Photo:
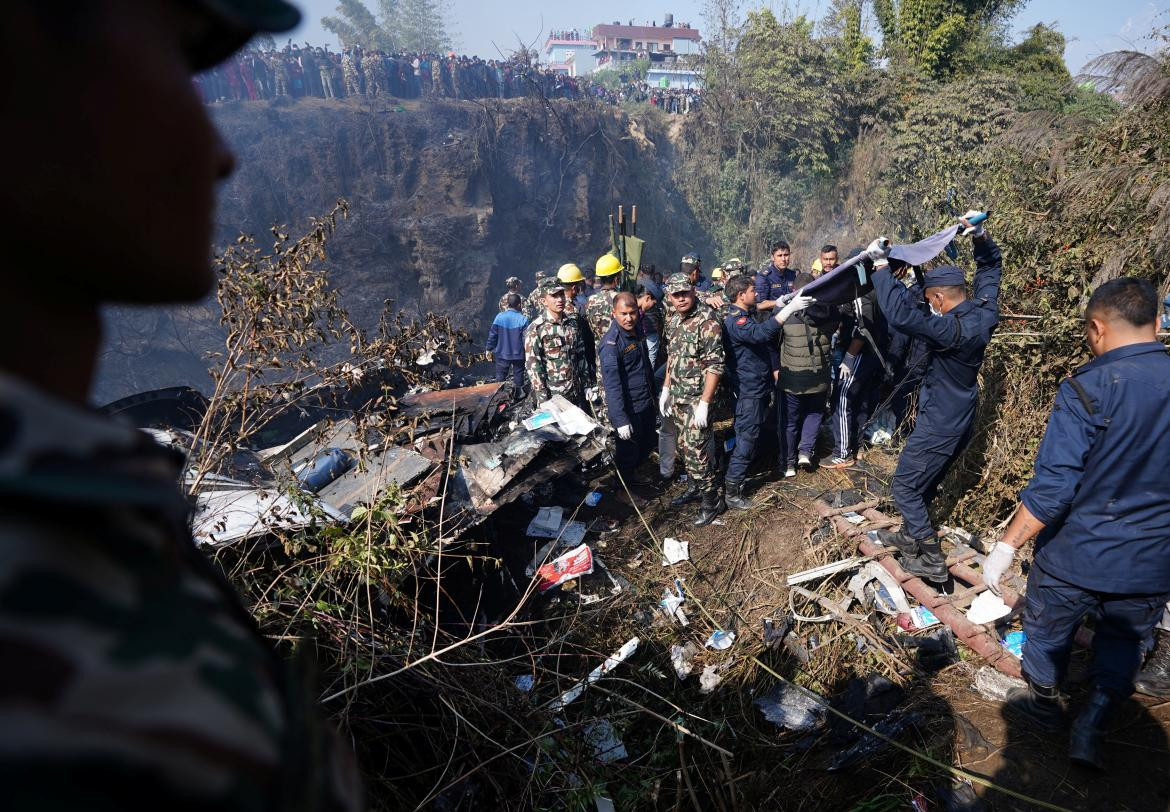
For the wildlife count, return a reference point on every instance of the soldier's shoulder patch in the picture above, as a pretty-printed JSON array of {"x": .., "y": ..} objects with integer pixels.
[{"x": 741, "y": 321}]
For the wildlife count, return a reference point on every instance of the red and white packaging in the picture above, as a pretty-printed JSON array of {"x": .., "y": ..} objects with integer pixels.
[{"x": 573, "y": 564}]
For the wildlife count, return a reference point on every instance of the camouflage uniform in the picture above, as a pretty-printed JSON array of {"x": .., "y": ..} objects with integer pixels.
[
  {"x": 131, "y": 671},
  {"x": 533, "y": 306},
  {"x": 599, "y": 315},
  {"x": 694, "y": 348},
  {"x": 280, "y": 74},
  {"x": 554, "y": 356},
  {"x": 351, "y": 73},
  {"x": 375, "y": 70}
]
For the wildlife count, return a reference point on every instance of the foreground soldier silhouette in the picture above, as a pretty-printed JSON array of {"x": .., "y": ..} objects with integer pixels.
[{"x": 132, "y": 676}]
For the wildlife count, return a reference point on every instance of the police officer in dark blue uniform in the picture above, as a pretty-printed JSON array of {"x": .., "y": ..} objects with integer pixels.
[
  {"x": 750, "y": 353},
  {"x": 1100, "y": 505},
  {"x": 956, "y": 332},
  {"x": 629, "y": 386}
]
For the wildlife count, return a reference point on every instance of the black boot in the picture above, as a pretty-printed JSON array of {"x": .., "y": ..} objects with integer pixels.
[
  {"x": 1084, "y": 740},
  {"x": 691, "y": 494},
  {"x": 930, "y": 563},
  {"x": 735, "y": 497},
  {"x": 899, "y": 541},
  {"x": 1154, "y": 678},
  {"x": 713, "y": 505},
  {"x": 1039, "y": 705}
]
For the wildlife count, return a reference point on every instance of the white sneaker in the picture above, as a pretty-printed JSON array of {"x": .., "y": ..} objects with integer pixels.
[
  {"x": 790, "y": 471},
  {"x": 804, "y": 462}
]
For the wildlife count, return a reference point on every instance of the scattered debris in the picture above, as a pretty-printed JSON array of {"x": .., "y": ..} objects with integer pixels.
[
  {"x": 870, "y": 744},
  {"x": 720, "y": 640},
  {"x": 671, "y": 604},
  {"x": 792, "y": 708},
  {"x": 935, "y": 650},
  {"x": 547, "y": 523},
  {"x": 681, "y": 658},
  {"x": 1015, "y": 642},
  {"x": 674, "y": 551},
  {"x": 225, "y": 516},
  {"x": 709, "y": 680},
  {"x": 782, "y": 632},
  {"x": 607, "y": 746},
  {"x": 824, "y": 571},
  {"x": 611, "y": 662},
  {"x": 994, "y": 684},
  {"x": 987, "y": 608},
  {"x": 593, "y": 498},
  {"x": 524, "y": 682},
  {"x": 571, "y": 565}
]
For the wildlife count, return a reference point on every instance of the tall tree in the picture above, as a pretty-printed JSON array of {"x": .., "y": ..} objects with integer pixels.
[
  {"x": 930, "y": 34},
  {"x": 355, "y": 24},
  {"x": 421, "y": 26}
]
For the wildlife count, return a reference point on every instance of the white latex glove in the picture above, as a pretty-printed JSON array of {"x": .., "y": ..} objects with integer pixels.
[
  {"x": 879, "y": 249},
  {"x": 701, "y": 414},
  {"x": 786, "y": 298},
  {"x": 664, "y": 402},
  {"x": 591, "y": 394},
  {"x": 625, "y": 432},
  {"x": 996, "y": 564},
  {"x": 972, "y": 231},
  {"x": 797, "y": 304}
]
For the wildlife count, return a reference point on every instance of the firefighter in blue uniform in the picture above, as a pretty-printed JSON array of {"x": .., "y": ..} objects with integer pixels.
[
  {"x": 629, "y": 386},
  {"x": 956, "y": 332},
  {"x": 1099, "y": 505},
  {"x": 751, "y": 358}
]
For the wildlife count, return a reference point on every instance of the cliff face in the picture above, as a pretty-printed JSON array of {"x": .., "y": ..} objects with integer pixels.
[{"x": 447, "y": 201}]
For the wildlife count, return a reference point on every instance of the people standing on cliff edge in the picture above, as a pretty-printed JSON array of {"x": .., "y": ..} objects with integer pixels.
[{"x": 133, "y": 678}]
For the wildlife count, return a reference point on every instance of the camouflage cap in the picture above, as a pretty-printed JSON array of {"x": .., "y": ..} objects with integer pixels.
[
  {"x": 691, "y": 259},
  {"x": 512, "y": 280},
  {"x": 678, "y": 282},
  {"x": 234, "y": 22},
  {"x": 549, "y": 284}
]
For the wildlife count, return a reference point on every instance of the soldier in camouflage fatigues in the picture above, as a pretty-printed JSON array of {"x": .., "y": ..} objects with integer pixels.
[
  {"x": 513, "y": 283},
  {"x": 133, "y": 677},
  {"x": 553, "y": 353},
  {"x": 694, "y": 364},
  {"x": 534, "y": 303},
  {"x": 280, "y": 74},
  {"x": 375, "y": 70},
  {"x": 351, "y": 71}
]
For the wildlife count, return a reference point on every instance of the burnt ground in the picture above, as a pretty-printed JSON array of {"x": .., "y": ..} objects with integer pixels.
[{"x": 736, "y": 575}]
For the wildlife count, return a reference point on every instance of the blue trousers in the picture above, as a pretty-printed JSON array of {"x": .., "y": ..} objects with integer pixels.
[
  {"x": 853, "y": 401},
  {"x": 515, "y": 369},
  {"x": 803, "y": 415},
  {"x": 750, "y": 415},
  {"x": 921, "y": 468},
  {"x": 1054, "y": 611},
  {"x": 629, "y": 454}
]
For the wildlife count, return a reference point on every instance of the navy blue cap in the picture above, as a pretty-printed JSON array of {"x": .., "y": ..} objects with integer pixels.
[{"x": 945, "y": 275}]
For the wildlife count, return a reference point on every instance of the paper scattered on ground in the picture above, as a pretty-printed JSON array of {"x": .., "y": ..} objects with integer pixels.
[
  {"x": 681, "y": 657},
  {"x": 547, "y": 523},
  {"x": 611, "y": 662},
  {"x": 672, "y": 602},
  {"x": 607, "y": 746},
  {"x": 674, "y": 551},
  {"x": 709, "y": 679},
  {"x": 720, "y": 640},
  {"x": 987, "y": 607},
  {"x": 573, "y": 564}
]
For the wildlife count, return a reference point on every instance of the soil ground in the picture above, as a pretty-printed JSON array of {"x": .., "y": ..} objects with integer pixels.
[{"x": 736, "y": 574}]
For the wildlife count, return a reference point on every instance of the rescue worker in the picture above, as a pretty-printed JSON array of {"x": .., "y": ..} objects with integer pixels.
[
  {"x": 776, "y": 279},
  {"x": 827, "y": 260},
  {"x": 534, "y": 304},
  {"x": 506, "y": 342},
  {"x": 806, "y": 358},
  {"x": 599, "y": 310},
  {"x": 553, "y": 352},
  {"x": 1097, "y": 506},
  {"x": 134, "y": 677},
  {"x": 571, "y": 278},
  {"x": 513, "y": 284},
  {"x": 862, "y": 336},
  {"x": 629, "y": 386},
  {"x": 749, "y": 347},
  {"x": 692, "y": 266},
  {"x": 694, "y": 365},
  {"x": 716, "y": 288},
  {"x": 1154, "y": 678},
  {"x": 957, "y": 338}
]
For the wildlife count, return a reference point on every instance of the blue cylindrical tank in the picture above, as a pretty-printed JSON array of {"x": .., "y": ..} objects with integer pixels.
[{"x": 332, "y": 463}]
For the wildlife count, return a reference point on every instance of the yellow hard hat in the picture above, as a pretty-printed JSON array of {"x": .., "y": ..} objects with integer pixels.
[
  {"x": 717, "y": 273},
  {"x": 569, "y": 273},
  {"x": 607, "y": 265},
  {"x": 816, "y": 266}
]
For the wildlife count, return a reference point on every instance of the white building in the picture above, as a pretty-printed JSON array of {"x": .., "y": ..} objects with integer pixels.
[{"x": 573, "y": 57}]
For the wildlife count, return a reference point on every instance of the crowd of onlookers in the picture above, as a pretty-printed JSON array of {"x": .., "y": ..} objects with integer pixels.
[{"x": 318, "y": 72}]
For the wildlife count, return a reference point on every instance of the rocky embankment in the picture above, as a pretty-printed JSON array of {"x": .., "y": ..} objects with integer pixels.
[{"x": 447, "y": 200}]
